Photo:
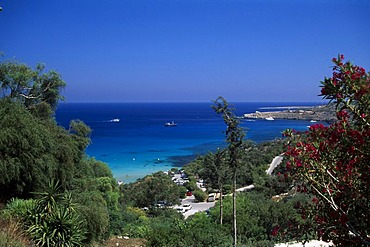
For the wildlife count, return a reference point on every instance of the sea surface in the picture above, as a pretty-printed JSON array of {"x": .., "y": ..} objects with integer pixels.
[{"x": 132, "y": 139}]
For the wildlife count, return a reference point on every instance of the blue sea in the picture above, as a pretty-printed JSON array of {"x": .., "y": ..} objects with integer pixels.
[{"x": 139, "y": 143}]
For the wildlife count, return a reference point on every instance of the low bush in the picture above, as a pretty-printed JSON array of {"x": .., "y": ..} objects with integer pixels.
[
  {"x": 199, "y": 195},
  {"x": 50, "y": 220}
]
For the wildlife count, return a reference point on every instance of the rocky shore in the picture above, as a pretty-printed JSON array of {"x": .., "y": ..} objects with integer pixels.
[{"x": 314, "y": 113}]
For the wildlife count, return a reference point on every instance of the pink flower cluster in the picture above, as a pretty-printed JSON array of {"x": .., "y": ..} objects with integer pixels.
[
  {"x": 347, "y": 81},
  {"x": 331, "y": 163}
]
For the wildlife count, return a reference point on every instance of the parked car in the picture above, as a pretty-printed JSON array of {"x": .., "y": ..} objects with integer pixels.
[
  {"x": 187, "y": 207},
  {"x": 189, "y": 193},
  {"x": 161, "y": 204},
  {"x": 211, "y": 197},
  {"x": 180, "y": 209}
]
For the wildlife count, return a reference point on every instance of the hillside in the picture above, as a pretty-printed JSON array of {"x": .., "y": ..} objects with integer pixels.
[{"x": 316, "y": 113}]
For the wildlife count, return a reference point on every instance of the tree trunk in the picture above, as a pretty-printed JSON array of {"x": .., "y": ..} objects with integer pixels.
[
  {"x": 234, "y": 206},
  {"x": 221, "y": 206}
]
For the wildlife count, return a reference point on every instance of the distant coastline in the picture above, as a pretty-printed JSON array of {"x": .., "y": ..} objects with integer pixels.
[
  {"x": 310, "y": 113},
  {"x": 131, "y": 138}
]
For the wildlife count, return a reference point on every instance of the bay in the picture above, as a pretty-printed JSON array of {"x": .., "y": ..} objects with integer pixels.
[{"x": 132, "y": 139}]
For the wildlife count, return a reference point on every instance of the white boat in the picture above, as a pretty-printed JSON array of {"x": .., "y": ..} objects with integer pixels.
[
  {"x": 270, "y": 118},
  {"x": 115, "y": 120},
  {"x": 170, "y": 124},
  {"x": 313, "y": 121}
]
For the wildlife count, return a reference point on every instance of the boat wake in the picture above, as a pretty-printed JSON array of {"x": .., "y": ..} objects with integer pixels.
[{"x": 114, "y": 120}]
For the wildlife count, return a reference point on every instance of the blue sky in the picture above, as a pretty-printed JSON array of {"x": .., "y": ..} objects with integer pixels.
[{"x": 187, "y": 50}]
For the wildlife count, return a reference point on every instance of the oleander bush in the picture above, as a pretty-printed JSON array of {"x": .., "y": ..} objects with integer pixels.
[{"x": 331, "y": 163}]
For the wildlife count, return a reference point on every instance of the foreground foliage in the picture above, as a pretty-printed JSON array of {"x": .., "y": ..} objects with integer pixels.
[
  {"x": 68, "y": 199},
  {"x": 51, "y": 219},
  {"x": 332, "y": 163},
  {"x": 34, "y": 150}
]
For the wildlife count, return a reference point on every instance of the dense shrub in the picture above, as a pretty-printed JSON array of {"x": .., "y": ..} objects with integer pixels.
[
  {"x": 198, "y": 231},
  {"x": 148, "y": 191},
  {"x": 258, "y": 216},
  {"x": 200, "y": 195}
]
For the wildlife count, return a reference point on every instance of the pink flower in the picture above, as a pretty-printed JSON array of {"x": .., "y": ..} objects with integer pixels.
[
  {"x": 298, "y": 163},
  {"x": 315, "y": 200},
  {"x": 275, "y": 230},
  {"x": 342, "y": 114},
  {"x": 288, "y": 165}
]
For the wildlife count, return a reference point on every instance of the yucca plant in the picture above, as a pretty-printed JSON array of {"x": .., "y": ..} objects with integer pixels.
[
  {"x": 54, "y": 222},
  {"x": 50, "y": 219},
  {"x": 50, "y": 198},
  {"x": 59, "y": 228}
]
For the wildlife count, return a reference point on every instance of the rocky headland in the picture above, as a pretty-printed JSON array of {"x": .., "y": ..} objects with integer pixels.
[{"x": 315, "y": 113}]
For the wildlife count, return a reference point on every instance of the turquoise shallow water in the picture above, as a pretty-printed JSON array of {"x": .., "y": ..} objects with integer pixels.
[{"x": 140, "y": 144}]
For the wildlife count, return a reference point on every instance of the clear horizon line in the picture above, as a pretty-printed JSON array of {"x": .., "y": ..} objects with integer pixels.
[{"x": 185, "y": 102}]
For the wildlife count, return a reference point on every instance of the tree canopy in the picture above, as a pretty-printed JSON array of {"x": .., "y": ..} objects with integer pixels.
[
  {"x": 35, "y": 150},
  {"x": 32, "y": 87},
  {"x": 148, "y": 191}
]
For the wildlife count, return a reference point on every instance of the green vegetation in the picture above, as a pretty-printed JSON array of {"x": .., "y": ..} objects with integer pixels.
[
  {"x": 235, "y": 139},
  {"x": 199, "y": 195},
  {"x": 68, "y": 198},
  {"x": 52, "y": 194},
  {"x": 197, "y": 231},
  {"x": 258, "y": 216},
  {"x": 50, "y": 220},
  {"x": 74, "y": 210},
  {"x": 152, "y": 190}
]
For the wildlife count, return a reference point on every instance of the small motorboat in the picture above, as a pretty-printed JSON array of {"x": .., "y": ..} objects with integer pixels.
[{"x": 170, "y": 124}]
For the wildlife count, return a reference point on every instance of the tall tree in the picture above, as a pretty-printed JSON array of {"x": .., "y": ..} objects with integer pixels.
[
  {"x": 234, "y": 137},
  {"x": 33, "y": 148},
  {"x": 216, "y": 173},
  {"x": 37, "y": 90}
]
